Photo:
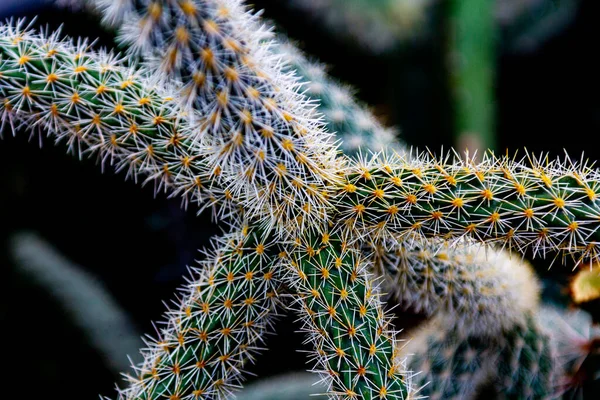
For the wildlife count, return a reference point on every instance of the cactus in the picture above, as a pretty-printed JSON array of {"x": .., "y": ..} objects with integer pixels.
[
  {"x": 477, "y": 290},
  {"x": 457, "y": 365},
  {"x": 243, "y": 139},
  {"x": 28, "y": 56}
]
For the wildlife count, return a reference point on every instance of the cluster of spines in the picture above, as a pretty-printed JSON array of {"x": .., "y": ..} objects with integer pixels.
[
  {"x": 256, "y": 126},
  {"x": 354, "y": 344},
  {"x": 546, "y": 206},
  {"x": 25, "y": 110},
  {"x": 217, "y": 326},
  {"x": 69, "y": 122}
]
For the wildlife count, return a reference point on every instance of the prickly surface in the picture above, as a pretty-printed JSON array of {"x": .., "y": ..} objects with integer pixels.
[
  {"x": 354, "y": 345},
  {"x": 258, "y": 130},
  {"x": 216, "y": 327},
  {"x": 87, "y": 100},
  {"x": 526, "y": 364},
  {"x": 476, "y": 289},
  {"x": 199, "y": 352},
  {"x": 549, "y": 207}
]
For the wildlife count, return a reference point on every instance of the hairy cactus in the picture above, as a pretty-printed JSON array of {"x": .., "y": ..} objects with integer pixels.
[
  {"x": 476, "y": 290},
  {"x": 82, "y": 116},
  {"x": 232, "y": 130},
  {"x": 548, "y": 207}
]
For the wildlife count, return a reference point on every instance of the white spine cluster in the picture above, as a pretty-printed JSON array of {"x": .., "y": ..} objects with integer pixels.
[{"x": 260, "y": 134}]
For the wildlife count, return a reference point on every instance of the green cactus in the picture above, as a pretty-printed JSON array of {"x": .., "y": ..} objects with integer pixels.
[
  {"x": 24, "y": 56},
  {"x": 548, "y": 207},
  {"x": 233, "y": 132}
]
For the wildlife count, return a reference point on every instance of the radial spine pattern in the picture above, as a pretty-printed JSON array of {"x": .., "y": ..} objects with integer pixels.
[
  {"x": 259, "y": 131},
  {"x": 343, "y": 316}
]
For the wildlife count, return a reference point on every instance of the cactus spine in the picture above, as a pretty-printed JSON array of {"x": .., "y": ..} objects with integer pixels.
[
  {"x": 161, "y": 373},
  {"x": 222, "y": 157}
]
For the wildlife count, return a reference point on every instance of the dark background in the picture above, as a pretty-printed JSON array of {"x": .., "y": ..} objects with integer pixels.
[{"x": 547, "y": 99}]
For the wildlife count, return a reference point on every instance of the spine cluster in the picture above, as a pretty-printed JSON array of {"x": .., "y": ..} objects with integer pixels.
[
  {"x": 168, "y": 369},
  {"x": 96, "y": 106},
  {"x": 475, "y": 289},
  {"x": 353, "y": 347},
  {"x": 258, "y": 131},
  {"x": 234, "y": 131}
]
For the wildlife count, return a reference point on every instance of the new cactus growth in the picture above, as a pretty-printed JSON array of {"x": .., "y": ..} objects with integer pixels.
[{"x": 224, "y": 125}]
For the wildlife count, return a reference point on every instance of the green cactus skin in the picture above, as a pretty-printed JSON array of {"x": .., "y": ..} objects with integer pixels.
[
  {"x": 518, "y": 363},
  {"x": 216, "y": 328},
  {"x": 18, "y": 109},
  {"x": 343, "y": 316},
  {"x": 31, "y": 67},
  {"x": 527, "y": 363},
  {"x": 548, "y": 208}
]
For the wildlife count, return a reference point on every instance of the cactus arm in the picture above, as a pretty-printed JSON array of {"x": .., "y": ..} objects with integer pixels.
[
  {"x": 472, "y": 70},
  {"x": 258, "y": 130},
  {"x": 451, "y": 364},
  {"x": 549, "y": 208},
  {"x": 479, "y": 290},
  {"x": 48, "y": 84},
  {"x": 95, "y": 106},
  {"x": 354, "y": 345},
  {"x": 217, "y": 326}
]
